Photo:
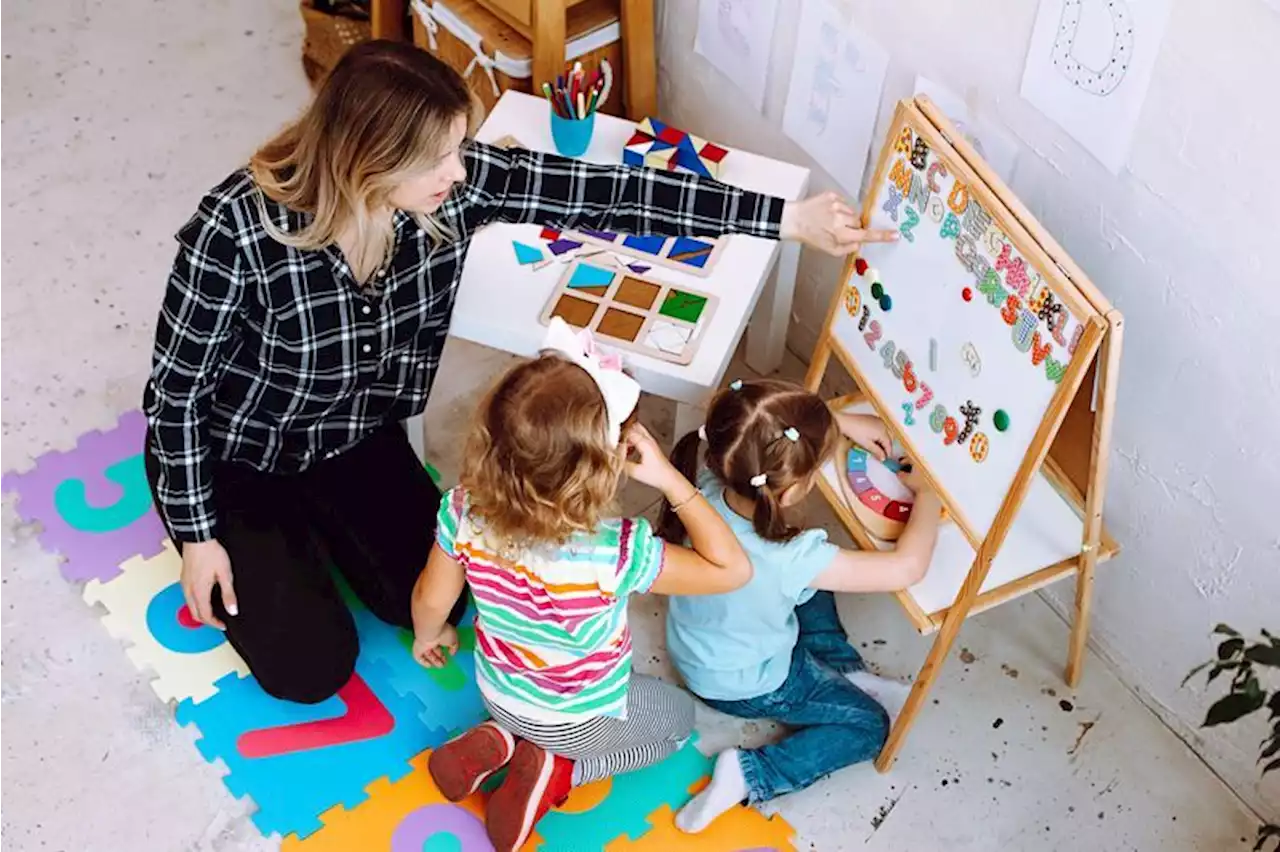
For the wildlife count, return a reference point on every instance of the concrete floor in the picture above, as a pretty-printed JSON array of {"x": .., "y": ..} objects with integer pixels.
[{"x": 116, "y": 117}]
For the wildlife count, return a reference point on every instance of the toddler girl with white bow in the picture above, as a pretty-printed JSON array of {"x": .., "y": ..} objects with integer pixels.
[{"x": 529, "y": 529}]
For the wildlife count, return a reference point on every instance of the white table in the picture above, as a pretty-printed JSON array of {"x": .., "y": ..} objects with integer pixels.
[{"x": 499, "y": 301}]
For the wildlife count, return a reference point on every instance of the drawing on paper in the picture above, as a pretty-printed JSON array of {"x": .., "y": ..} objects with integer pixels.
[{"x": 1096, "y": 81}]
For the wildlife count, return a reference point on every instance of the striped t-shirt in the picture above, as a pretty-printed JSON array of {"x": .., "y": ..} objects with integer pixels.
[{"x": 552, "y": 641}]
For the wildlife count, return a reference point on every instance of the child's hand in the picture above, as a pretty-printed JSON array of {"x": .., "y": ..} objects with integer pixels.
[
  {"x": 653, "y": 468},
  {"x": 430, "y": 652},
  {"x": 868, "y": 432},
  {"x": 915, "y": 480}
]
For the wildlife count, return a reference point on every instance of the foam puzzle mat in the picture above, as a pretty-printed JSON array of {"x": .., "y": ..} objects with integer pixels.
[{"x": 350, "y": 772}]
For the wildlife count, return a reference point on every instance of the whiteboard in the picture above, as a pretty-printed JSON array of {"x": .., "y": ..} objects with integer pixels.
[{"x": 953, "y": 322}]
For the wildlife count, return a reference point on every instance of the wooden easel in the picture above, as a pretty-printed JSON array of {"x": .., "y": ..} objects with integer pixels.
[{"x": 1070, "y": 446}]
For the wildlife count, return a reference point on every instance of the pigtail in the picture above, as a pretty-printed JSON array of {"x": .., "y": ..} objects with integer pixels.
[
  {"x": 769, "y": 519},
  {"x": 684, "y": 458}
]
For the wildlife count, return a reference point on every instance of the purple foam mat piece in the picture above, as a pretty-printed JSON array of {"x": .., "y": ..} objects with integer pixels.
[{"x": 117, "y": 519}]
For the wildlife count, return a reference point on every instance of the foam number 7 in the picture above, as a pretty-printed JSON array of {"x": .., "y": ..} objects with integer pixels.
[
  {"x": 926, "y": 396},
  {"x": 872, "y": 335}
]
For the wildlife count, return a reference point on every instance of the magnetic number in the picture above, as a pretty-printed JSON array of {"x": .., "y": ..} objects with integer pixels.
[
  {"x": 950, "y": 428},
  {"x": 887, "y": 352},
  {"x": 872, "y": 334},
  {"x": 909, "y": 380},
  {"x": 903, "y": 145},
  {"x": 906, "y": 414},
  {"x": 913, "y": 219},
  {"x": 920, "y": 154},
  {"x": 1058, "y": 324},
  {"x": 937, "y": 417},
  {"x": 866, "y": 315},
  {"x": 1009, "y": 313},
  {"x": 978, "y": 447},
  {"x": 852, "y": 301},
  {"x": 926, "y": 396},
  {"x": 1039, "y": 351},
  {"x": 970, "y": 412}
]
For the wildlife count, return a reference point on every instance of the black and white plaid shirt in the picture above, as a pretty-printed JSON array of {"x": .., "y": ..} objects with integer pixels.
[{"x": 274, "y": 357}]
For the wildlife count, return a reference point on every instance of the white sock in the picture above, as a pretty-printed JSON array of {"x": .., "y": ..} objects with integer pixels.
[
  {"x": 890, "y": 694},
  {"x": 728, "y": 787}
]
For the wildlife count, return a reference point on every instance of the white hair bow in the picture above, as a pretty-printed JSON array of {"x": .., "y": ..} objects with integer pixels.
[{"x": 621, "y": 392}]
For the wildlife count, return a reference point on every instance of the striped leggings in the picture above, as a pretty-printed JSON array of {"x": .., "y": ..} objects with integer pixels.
[{"x": 659, "y": 720}]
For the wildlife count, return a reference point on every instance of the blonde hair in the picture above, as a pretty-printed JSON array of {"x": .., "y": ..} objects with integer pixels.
[
  {"x": 748, "y": 433},
  {"x": 538, "y": 464},
  {"x": 383, "y": 112}
]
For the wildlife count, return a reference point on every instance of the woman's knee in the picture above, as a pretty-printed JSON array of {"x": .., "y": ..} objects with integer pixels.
[{"x": 309, "y": 672}]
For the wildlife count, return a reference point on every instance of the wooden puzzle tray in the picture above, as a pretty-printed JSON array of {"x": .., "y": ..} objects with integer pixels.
[{"x": 632, "y": 312}]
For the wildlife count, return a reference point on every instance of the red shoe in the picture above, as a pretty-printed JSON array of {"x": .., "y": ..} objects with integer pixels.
[
  {"x": 536, "y": 780},
  {"x": 461, "y": 765}
]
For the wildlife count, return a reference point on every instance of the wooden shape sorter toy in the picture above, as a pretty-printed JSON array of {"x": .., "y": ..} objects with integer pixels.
[
  {"x": 694, "y": 255},
  {"x": 993, "y": 360},
  {"x": 874, "y": 493},
  {"x": 632, "y": 312}
]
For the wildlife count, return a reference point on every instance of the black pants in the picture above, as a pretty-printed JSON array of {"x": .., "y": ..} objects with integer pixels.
[{"x": 370, "y": 511}]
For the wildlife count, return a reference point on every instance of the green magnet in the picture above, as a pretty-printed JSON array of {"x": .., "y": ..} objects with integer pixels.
[
  {"x": 1001, "y": 419},
  {"x": 876, "y": 290}
]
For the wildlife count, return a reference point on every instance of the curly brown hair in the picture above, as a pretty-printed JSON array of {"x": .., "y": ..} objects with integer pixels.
[
  {"x": 538, "y": 465},
  {"x": 746, "y": 436}
]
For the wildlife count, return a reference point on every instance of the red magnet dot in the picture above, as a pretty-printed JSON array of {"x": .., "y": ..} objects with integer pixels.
[
  {"x": 860, "y": 266},
  {"x": 186, "y": 619},
  {"x": 967, "y": 294}
]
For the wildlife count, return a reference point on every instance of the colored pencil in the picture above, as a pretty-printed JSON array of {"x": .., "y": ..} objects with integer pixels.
[{"x": 578, "y": 93}]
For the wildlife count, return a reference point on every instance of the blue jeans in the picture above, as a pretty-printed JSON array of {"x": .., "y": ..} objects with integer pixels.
[{"x": 839, "y": 724}]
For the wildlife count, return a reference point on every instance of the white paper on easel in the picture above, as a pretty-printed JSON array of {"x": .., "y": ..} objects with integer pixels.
[
  {"x": 736, "y": 36},
  {"x": 834, "y": 95},
  {"x": 997, "y": 148},
  {"x": 1089, "y": 66}
]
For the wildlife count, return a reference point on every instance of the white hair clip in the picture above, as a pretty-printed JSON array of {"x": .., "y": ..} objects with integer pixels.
[
  {"x": 702, "y": 432},
  {"x": 792, "y": 434},
  {"x": 735, "y": 385},
  {"x": 759, "y": 480},
  {"x": 620, "y": 391}
]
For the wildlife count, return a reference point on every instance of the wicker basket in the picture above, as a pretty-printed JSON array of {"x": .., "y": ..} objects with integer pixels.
[{"x": 328, "y": 38}]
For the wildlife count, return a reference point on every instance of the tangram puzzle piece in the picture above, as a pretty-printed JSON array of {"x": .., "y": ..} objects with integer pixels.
[
  {"x": 93, "y": 502},
  {"x": 741, "y": 829},
  {"x": 446, "y": 699},
  {"x": 526, "y": 254},
  {"x": 146, "y": 609},
  {"x": 297, "y": 760},
  {"x": 661, "y": 146},
  {"x": 403, "y": 816},
  {"x": 624, "y": 810}
]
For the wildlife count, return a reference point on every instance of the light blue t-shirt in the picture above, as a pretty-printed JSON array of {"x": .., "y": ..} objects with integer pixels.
[{"x": 738, "y": 644}]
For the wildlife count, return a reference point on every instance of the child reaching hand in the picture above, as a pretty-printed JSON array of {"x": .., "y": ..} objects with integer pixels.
[
  {"x": 774, "y": 649},
  {"x": 551, "y": 572}
]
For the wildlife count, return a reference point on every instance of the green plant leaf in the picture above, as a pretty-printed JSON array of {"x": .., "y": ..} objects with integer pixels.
[
  {"x": 1230, "y": 708},
  {"x": 1226, "y": 630},
  {"x": 1263, "y": 655},
  {"x": 1230, "y": 648},
  {"x": 1275, "y": 764},
  {"x": 1265, "y": 833},
  {"x": 1273, "y": 745},
  {"x": 1274, "y": 704},
  {"x": 1254, "y": 690},
  {"x": 1220, "y": 668}
]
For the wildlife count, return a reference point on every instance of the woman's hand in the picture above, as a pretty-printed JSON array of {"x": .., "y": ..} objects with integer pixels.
[
  {"x": 828, "y": 224},
  {"x": 430, "y": 652},
  {"x": 868, "y": 432},
  {"x": 653, "y": 468},
  {"x": 204, "y": 565}
]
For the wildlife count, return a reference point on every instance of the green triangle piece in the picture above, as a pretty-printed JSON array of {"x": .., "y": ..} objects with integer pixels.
[{"x": 526, "y": 254}]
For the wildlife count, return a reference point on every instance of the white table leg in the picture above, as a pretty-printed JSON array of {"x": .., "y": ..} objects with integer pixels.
[
  {"x": 688, "y": 418},
  {"x": 767, "y": 332},
  {"x": 415, "y": 427}
]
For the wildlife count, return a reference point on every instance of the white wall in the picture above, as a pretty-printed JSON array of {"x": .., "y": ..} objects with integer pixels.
[{"x": 1177, "y": 243}]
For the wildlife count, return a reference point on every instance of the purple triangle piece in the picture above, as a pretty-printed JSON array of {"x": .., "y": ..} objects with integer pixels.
[
  {"x": 638, "y": 268},
  {"x": 561, "y": 246}
]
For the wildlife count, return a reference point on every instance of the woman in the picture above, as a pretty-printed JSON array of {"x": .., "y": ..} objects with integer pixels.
[{"x": 304, "y": 319}]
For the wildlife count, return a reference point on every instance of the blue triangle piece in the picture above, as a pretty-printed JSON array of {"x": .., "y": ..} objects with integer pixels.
[
  {"x": 586, "y": 275},
  {"x": 526, "y": 254}
]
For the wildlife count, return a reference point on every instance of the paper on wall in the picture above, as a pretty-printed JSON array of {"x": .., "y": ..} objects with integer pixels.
[
  {"x": 834, "y": 95},
  {"x": 1088, "y": 68},
  {"x": 996, "y": 147},
  {"x": 736, "y": 37}
]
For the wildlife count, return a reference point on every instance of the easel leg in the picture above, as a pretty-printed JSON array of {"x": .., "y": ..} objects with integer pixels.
[
  {"x": 925, "y": 679},
  {"x": 1080, "y": 624}
]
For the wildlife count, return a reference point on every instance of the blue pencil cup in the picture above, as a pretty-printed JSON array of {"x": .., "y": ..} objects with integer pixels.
[{"x": 571, "y": 135}]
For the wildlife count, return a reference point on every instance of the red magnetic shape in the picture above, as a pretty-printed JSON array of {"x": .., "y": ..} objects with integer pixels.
[
  {"x": 966, "y": 294},
  {"x": 860, "y": 266},
  {"x": 187, "y": 620},
  {"x": 366, "y": 718}
]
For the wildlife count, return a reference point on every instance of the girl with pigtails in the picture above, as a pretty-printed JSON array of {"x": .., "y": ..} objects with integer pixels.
[{"x": 775, "y": 648}]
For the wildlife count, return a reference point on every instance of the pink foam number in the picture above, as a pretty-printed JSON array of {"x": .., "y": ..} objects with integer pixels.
[{"x": 93, "y": 502}]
